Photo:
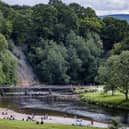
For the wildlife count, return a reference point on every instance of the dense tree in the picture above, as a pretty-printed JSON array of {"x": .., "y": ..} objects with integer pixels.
[
  {"x": 90, "y": 25},
  {"x": 2, "y": 20},
  {"x": 44, "y": 20},
  {"x": 22, "y": 28},
  {"x": 123, "y": 73},
  {"x": 75, "y": 64},
  {"x": 7, "y": 11},
  {"x": 83, "y": 12},
  {"x": 89, "y": 64},
  {"x": 7, "y": 64},
  {"x": 117, "y": 48},
  {"x": 95, "y": 44},
  {"x": 9, "y": 68},
  {"x": 3, "y": 43},
  {"x": 64, "y": 43},
  {"x": 114, "y": 31},
  {"x": 77, "y": 55},
  {"x": 67, "y": 17},
  {"x": 8, "y": 28},
  {"x": 52, "y": 64},
  {"x": 2, "y": 75}
]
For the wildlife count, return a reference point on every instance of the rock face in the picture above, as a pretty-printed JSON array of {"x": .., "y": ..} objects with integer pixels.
[{"x": 25, "y": 74}]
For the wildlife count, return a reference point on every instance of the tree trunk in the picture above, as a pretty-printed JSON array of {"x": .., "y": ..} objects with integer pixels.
[
  {"x": 113, "y": 92},
  {"x": 126, "y": 95}
]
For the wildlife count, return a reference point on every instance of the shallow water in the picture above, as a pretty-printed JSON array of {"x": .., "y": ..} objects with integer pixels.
[{"x": 61, "y": 108}]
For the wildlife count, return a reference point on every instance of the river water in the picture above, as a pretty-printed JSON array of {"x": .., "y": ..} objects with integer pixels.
[{"x": 61, "y": 108}]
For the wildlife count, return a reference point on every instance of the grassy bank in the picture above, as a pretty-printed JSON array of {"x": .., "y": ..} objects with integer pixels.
[
  {"x": 106, "y": 99},
  {"x": 5, "y": 124}
]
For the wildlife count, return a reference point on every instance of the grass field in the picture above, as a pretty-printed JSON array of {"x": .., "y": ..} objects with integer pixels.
[
  {"x": 6, "y": 124},
  {"x": 106, "y": 99}
]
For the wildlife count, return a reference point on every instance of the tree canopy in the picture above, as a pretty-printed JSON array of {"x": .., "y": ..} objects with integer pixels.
[{"x": 65, "y": 44}]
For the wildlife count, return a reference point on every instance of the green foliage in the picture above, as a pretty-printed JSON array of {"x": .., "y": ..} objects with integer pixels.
[
  {"x": 114, "y": 31},
  {"x": 71, "y": 62},
  {"x": 63, "y": 56},
  {"x": 90, "y": 24},
  {"x": 75, "y": 64},
  {"x": 88, "y": 66},
  {"x": 7, "y": 10},
  {"x": 2, "y": 20},
  {"x": 7, "y": 64},
  {"x": 114, "y": 125},
  {"x": 125, "y": 44},
  {"x": 115, "y": 73},
  {"x": 122, "y": 73},
  {"x": 9, "y": 68},
  {"x": 44, "y": 19},
  {"x": 3, "y": 43},
  {"x": 2, "y": 75},
  {"x": 51, "y": 64},
  {"x": 95, "y": 44},
  {"x": 101, "y": 74},
  {"x": 83, "y": 12},
  {"x": 21, "y": 28},
  {"x": 117, "y": 48},
  {"x": 68, "y": 17},
  {"x": 64, "y": 43},
  {"x": 8, "y": 28}
]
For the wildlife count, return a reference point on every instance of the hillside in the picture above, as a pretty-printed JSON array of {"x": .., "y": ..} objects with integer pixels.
[
  {"x": 64, "y": 43},
  {"x": 119, "y": 16}
]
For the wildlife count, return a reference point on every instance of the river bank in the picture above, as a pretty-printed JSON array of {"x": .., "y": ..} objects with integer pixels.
[
  {"x": 105, "y": 100},
  {"x": 51, "y": 119}
]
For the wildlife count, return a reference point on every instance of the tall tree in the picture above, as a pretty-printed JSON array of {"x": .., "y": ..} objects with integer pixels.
[
  {"x": 116, "y": 73},
  {"x": 89, "y": 64},
  {"x": 123, "y": 73},
  {"x": 107, "y": 73}
]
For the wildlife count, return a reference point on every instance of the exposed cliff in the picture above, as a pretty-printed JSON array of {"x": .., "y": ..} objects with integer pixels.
[{"x": 25, "y": 74}]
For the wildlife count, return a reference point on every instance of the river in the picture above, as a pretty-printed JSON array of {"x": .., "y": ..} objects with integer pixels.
[{"x": 61, "y": 108}]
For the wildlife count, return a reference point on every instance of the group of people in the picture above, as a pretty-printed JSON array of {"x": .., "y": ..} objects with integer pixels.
[
  {"x": 32, "y": 118},
  {"x": 10, "y": 117},
  {"x": 29, "y": 118},
  {"x": 78, "y": 122}
]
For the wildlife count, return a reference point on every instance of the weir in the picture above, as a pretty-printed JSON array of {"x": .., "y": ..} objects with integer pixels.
[{"x": 39, "y": 90}]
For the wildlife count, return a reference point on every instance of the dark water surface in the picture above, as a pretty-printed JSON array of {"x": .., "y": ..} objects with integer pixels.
[{"x": 61, "y": 108}]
